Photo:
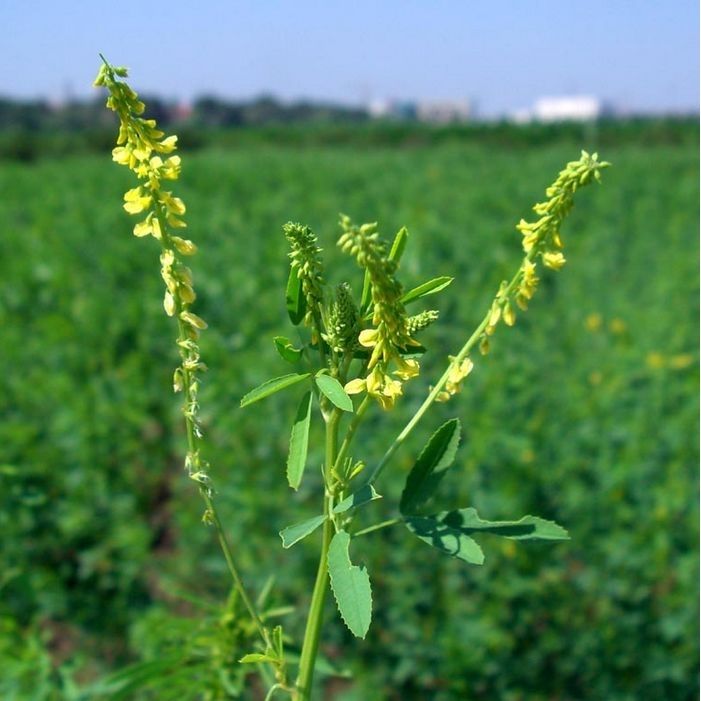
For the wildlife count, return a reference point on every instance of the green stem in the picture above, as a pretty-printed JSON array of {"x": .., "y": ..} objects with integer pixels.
[
  {"x": 352, "y": 428},
  {"x": 378, "y": 526},
  {"x": 312, "y": 633},
  {"x": 229, "y": 557}
]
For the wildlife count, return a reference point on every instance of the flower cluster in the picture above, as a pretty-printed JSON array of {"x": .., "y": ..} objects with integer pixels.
[
  {"x": 140, "y": 147},
  {"x": 305, "y": 259},
  {"x": 343, "y": 322},
  {"x": 541, "y": 239},
  {"x": 390, "y": 336},
  {"x": 420, "y": 321},
  {"x": 457, "y": 372}
]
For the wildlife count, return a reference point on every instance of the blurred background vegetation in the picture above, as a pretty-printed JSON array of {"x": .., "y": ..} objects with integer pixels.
[{"x": 586, "y": 412}]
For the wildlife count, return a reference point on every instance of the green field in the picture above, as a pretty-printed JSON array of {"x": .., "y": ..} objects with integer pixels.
[{"x": 585, "y": 412}]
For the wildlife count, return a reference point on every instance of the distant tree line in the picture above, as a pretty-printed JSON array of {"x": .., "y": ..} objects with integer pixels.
[
  {"x": 40, "y": 129},
  {"x": 207, "y": 111}
]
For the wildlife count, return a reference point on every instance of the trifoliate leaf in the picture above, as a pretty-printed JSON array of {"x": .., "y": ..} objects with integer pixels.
[
  {"x": 271, "y": 386},
  {"x": 350, "y": 585},
  {"x": 430, "y": 467}
]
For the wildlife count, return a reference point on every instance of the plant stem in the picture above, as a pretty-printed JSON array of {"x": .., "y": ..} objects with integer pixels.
[
  {"x": 378, "y": 526},
  {"x": 352, "y": 428},
  {"x": 312, "y": 632},
  {"x": 229, "y": 557}
]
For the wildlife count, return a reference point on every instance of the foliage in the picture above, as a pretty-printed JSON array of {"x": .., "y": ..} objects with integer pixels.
[{"x": 91, "y": 520}]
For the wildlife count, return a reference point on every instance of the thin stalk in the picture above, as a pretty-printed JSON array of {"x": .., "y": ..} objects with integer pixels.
[
  {"x": 312, "y": 633},
  {"x": 378, "y": 526},
  {"x": 462, "y": 354},
  {"x": 229, "y": 557},
  {"x": 352, "y": 428}
]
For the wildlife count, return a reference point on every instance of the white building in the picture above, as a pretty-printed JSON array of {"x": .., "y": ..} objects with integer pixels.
[
  {"x": 569, "y": 108},
  {"x": 444, "y": 111}
]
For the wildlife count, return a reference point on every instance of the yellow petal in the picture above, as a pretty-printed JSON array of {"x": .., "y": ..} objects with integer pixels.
[
  {"x": 355, "y": 386},
  {"x": 368, "y": 338},
  {"x": 193, "y": 320}
]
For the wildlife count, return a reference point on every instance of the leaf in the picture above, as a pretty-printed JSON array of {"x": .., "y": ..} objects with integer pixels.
[
  {"x": 299, "y": 441},
  {"x": 411, "y": 351},
  {"x": 399, "y": 245},
  {"x": 286, "y": 350},
  {"x": 364, "y": 495},
  {"x": 366, "y": 296},
  {"x": 526, "y": 528},
  {"x": 427, "y": 288},
  {"x": 450, "y": 531},
  {"x": 430, "y": 467},
  {"x": 350, "y": 585},
  {"x": 271, "y": 386},
  {"x": 332, "y": 389},
  {"x": 253, "y": 657},
  {"x": 451, "y": 541},
  {"x": 293, "y": 534},
  {"x": 294, "y": 298}
]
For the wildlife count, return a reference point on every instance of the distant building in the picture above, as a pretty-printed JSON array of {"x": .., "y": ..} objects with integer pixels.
[
  {"x": 570, "y": 108},
  {"x": 444, "y": 111},
  {"x": 431, "y": 111},
  {"x": 392, "y": 109}
]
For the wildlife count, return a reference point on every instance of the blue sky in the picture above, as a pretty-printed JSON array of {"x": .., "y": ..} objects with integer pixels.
[{"x": 643, "y": 55}]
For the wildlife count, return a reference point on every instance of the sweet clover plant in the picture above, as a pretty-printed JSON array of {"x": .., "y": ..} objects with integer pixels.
[{"x": 357, "y": 343}]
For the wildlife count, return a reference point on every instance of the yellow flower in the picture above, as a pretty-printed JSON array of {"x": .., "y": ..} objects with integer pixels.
[
  {"x": 193, "y": 320},
  {"x": 554, "y": 260},
  {"x": 459, "y": 372},
  {"x": 136, "y": 201},
  {"x": 655, "y": 360},
  {"x": 617, "y": 326},
  {"x": 509, "y": 316},
  {"x": 368, "y": 338},
  {"x": 681, "y": 361},
  {"x": 593, "y": 322},
  {"x": 355, "y": 386},
  {"x": 407, "y": 368}
]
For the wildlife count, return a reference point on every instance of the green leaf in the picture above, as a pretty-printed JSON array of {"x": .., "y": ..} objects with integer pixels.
[
  {"x": 293, "y": 534},
  {"x": 286, "y": 350},
  {"x": 350, "y": 585},
  {"x": 254, "y": 657},
  {"x": 526, "y": 528},
  {"x": 271, "y": 386},
  {"x": 299, "y": 441},
  {"x": 431, "y": 466},
  {"x": 399, "y": 245},
  {"x": 364, "y": 495},
  {"x": 332, "y": 389},
  {"x": 450, "y": 531},
  {"x": 428, "y": 288},
  {"x": 294, "y": 298},
  {"x": 366, "y": 296},
  {"x": 451, "y": 541}
]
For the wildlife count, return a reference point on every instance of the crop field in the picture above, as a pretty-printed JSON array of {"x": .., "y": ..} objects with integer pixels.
[{"x": 586, "y": 412}]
